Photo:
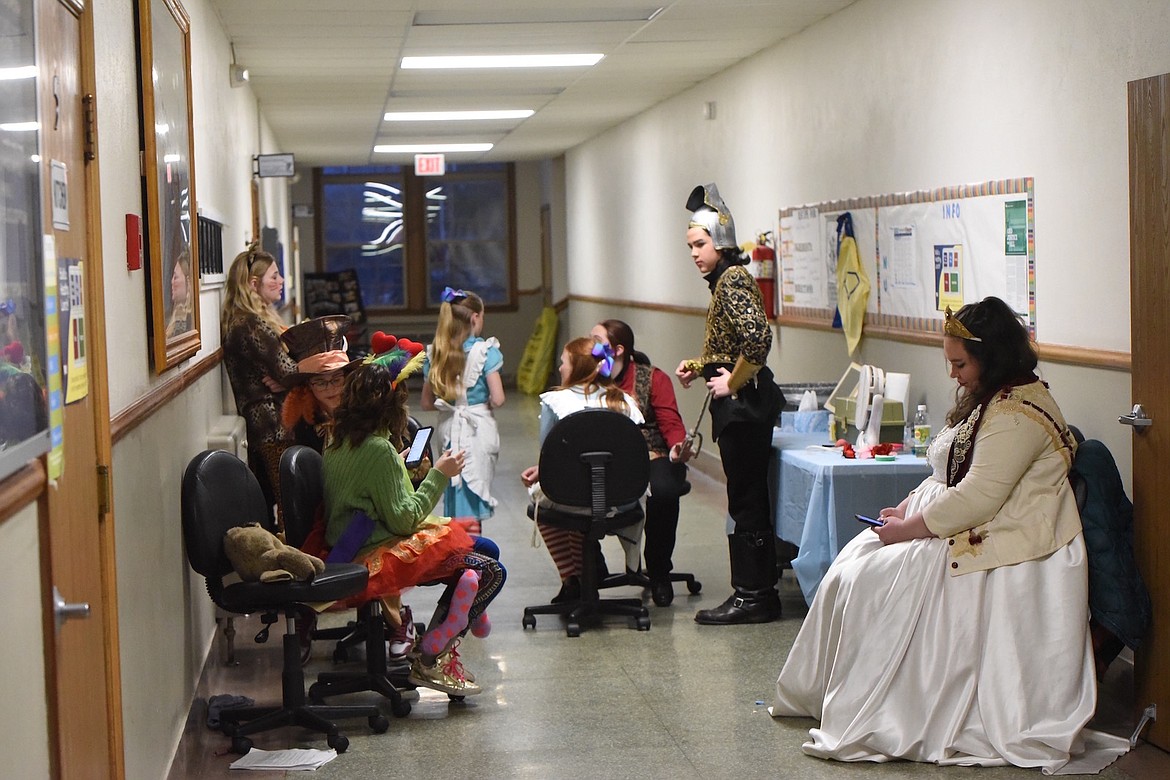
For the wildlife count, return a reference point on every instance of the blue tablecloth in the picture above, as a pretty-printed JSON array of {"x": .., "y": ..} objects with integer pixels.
[{"x": 816, "y": 492}]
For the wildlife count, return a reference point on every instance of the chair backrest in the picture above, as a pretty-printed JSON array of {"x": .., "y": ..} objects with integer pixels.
[
  {"x": 219, "y": 492},
  {"x": 302, "y": 489},
  {"x": 593, "y": 456}
]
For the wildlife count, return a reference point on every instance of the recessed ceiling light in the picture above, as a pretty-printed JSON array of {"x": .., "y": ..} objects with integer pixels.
[
  {"x": 443, "y": 116},
  {"x": 534, "y": 16},
  {"x": 503, "y": 61},
  {"x": 430, "y": 148}
]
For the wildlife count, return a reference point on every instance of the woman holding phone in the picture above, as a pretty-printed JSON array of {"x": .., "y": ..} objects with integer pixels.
[{"x": 957, "y": 631}]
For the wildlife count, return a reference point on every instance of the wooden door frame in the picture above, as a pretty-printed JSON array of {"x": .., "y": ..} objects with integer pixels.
[{"x": 99, "y": 397}]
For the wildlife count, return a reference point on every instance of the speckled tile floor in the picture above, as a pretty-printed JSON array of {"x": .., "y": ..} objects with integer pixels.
[{"x": 677, "y": 701}]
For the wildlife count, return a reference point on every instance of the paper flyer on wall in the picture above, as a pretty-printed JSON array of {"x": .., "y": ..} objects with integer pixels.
[{"x": 71, "y": 305}]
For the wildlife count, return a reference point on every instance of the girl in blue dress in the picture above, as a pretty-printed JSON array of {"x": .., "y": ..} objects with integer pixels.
[{"x": 463, "y": 384}]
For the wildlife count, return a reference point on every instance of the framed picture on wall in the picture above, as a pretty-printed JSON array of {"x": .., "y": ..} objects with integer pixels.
[{"x": 164, "y": 62}]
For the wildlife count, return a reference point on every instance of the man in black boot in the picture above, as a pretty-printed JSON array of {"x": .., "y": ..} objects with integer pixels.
[
  {"x": 745, "y": 403},
  {"x": 753, "y": 579}
]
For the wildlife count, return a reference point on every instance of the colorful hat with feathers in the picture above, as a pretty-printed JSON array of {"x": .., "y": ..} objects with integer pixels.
[{"x": 400, "y": 357}]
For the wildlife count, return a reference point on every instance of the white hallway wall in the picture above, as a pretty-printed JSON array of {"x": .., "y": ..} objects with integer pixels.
[
  {"x": 891, "y": 96},
  {"x": 165, "y": 619}
]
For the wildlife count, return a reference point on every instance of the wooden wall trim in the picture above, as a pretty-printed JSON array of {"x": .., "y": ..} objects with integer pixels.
[
  {"x": 690, "y": 311},
  {"x": 1051, "y": 353},
  {"x": 160, "y": 395},
  {"x": 21, "y": 489}
]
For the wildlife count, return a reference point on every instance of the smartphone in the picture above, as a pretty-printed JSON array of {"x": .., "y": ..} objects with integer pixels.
[
  {"x": 418, "y": 447},
  {"x": 870, "y": 520}
]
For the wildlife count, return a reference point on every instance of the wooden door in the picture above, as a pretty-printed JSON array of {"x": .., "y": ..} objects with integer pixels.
[
  {"x": 81, "y": 653},
  {"x": 1149, "y": 204}
]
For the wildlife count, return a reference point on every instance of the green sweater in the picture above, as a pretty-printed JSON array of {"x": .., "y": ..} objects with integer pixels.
[{"x": 372, "y": 477}]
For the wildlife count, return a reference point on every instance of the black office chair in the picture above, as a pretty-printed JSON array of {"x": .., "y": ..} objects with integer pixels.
[
  {"x": 595, "y": 460},
  {"x": 219, "y": 492},
  {"x": 301, "y": 493}
]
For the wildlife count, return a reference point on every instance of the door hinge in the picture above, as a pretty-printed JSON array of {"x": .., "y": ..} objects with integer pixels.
[
  {"x": 90, "y": 112},
  {"x": 103, "y": 473}
]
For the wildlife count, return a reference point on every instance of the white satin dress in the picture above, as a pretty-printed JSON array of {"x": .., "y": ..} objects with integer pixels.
[{"x": 897, "y": 659}]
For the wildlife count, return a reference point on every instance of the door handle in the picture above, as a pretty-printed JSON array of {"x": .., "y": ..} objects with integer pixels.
[
  {"x": 63, "y": 611},
  {"x": 1136, "y": 418}
]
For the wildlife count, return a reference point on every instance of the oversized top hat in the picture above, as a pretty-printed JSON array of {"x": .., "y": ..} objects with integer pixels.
[
  {"x": 313, "y": 337},
  {"x": 708, "y": 211}
]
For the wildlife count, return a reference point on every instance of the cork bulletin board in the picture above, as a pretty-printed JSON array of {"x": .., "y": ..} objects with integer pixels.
[{"x": 922, "y": 251}]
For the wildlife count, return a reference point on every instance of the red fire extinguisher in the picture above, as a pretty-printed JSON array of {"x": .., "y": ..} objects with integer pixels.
[{"x": 763, "y": 267}]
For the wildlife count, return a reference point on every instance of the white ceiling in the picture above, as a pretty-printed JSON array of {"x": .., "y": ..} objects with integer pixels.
[{"x": 325, "y": 71}]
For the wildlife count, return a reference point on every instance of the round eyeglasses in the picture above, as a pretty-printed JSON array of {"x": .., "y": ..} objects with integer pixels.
[{"x": 326, "y": 382}]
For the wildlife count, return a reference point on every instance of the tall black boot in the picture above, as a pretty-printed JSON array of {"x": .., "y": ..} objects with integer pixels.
[{"x": 753, "y": 578}]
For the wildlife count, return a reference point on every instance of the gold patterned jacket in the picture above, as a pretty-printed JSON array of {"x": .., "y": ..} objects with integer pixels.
[
  {"x": 1014, "y": 502},
  {"x": 736, "y": 323}
]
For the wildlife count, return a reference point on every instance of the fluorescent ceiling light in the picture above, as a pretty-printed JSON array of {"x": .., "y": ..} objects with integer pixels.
[
  {"x": 430, "y": 148},
  {"x": 502, "y": 61},
  {"x": 443, "y": 116},
  {"x": 17, "y": 127},
  {"x": 534, "y": 16},
  {"x": 22, "y": 72}
]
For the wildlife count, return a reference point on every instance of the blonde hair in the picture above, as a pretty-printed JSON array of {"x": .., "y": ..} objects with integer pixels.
[
  {"x": 584, "y": 373},
  {"x": 447, "y": 356},
  {"x": 241, "y": 298},
  {"x": 181, "y": 311}
]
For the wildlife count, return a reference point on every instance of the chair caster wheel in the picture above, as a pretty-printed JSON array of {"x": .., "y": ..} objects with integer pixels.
[
  {"x": 643, "y": 623},
  {"x": 379, "y": 724},
  {"x": 400, "y": 708},
  {"x": 529, "y": 621},
  {"x": 455, "y": 698},
  {"x": 573, "y": 629},
  {"x": 694, "y": 586},
  {"x": 241, "y": 745},
  {"x": 338, "y": 742}
]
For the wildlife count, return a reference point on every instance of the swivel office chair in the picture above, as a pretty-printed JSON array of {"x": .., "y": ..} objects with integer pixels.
[
  {"x": 596, "y": 462},
  {"x": 219, "y": 492}
]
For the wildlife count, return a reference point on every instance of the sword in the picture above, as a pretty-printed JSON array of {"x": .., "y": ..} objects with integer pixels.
[{"x": 693, "y": 441}]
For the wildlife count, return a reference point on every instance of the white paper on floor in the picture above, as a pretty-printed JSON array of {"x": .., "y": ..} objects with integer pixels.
[{"x": 291, "y": 759}]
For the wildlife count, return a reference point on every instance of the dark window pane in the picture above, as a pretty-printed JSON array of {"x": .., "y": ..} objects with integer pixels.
[
  {"x": 467, "y": 231},
  {"x": 382, "y": 276}
]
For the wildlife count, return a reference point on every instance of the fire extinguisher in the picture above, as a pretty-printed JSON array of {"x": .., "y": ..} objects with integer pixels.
[{"x": 763, "y": 267}]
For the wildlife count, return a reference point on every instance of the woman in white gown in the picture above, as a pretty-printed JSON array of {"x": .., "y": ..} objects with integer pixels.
[{"x": 958, "y": 632}]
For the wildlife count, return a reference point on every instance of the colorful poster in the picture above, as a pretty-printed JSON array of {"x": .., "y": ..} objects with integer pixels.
[
  {"x": 948, "y": 276},
  {"x": 1015, "y": 227},
  {"x": 56, "y": 459}
]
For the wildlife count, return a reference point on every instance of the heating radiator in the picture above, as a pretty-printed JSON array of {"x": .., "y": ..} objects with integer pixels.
[{"x": 228, "y": 433}]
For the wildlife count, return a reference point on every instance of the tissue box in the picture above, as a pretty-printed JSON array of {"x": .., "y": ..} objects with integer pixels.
[{"x": 805, "y": 422}]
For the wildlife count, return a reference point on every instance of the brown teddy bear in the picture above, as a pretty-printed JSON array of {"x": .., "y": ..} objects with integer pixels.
[{"x": 257, "y": 555}]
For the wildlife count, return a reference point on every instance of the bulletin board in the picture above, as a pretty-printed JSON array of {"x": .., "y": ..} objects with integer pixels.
[{"x": 923, "y": 251}]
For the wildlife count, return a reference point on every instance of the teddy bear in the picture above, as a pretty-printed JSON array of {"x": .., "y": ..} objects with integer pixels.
[{"x": 257, "y": 555}]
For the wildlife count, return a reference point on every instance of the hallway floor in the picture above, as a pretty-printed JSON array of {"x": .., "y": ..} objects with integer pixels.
[{"x": 678, "y": 701}]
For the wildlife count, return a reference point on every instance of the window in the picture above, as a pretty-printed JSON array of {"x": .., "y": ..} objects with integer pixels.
[
  {"x": 408, "y": 237},
  {"x": 210, "y": 247}
]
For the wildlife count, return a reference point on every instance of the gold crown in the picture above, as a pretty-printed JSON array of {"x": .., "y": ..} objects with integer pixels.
[{"x": 953, "y": 327}]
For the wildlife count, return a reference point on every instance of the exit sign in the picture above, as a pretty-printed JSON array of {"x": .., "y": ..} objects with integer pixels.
[{"x": 429, "y": 165}]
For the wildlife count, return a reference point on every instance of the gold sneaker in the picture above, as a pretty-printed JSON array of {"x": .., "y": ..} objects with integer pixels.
[
  {"x": 451, "y": 656},
  {"x": 446, "y": 677}
]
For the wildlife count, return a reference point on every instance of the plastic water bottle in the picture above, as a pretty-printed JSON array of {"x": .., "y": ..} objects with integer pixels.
[
  {"x": 921, "y": 431},
  {"x": 908, "y": 437}
]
